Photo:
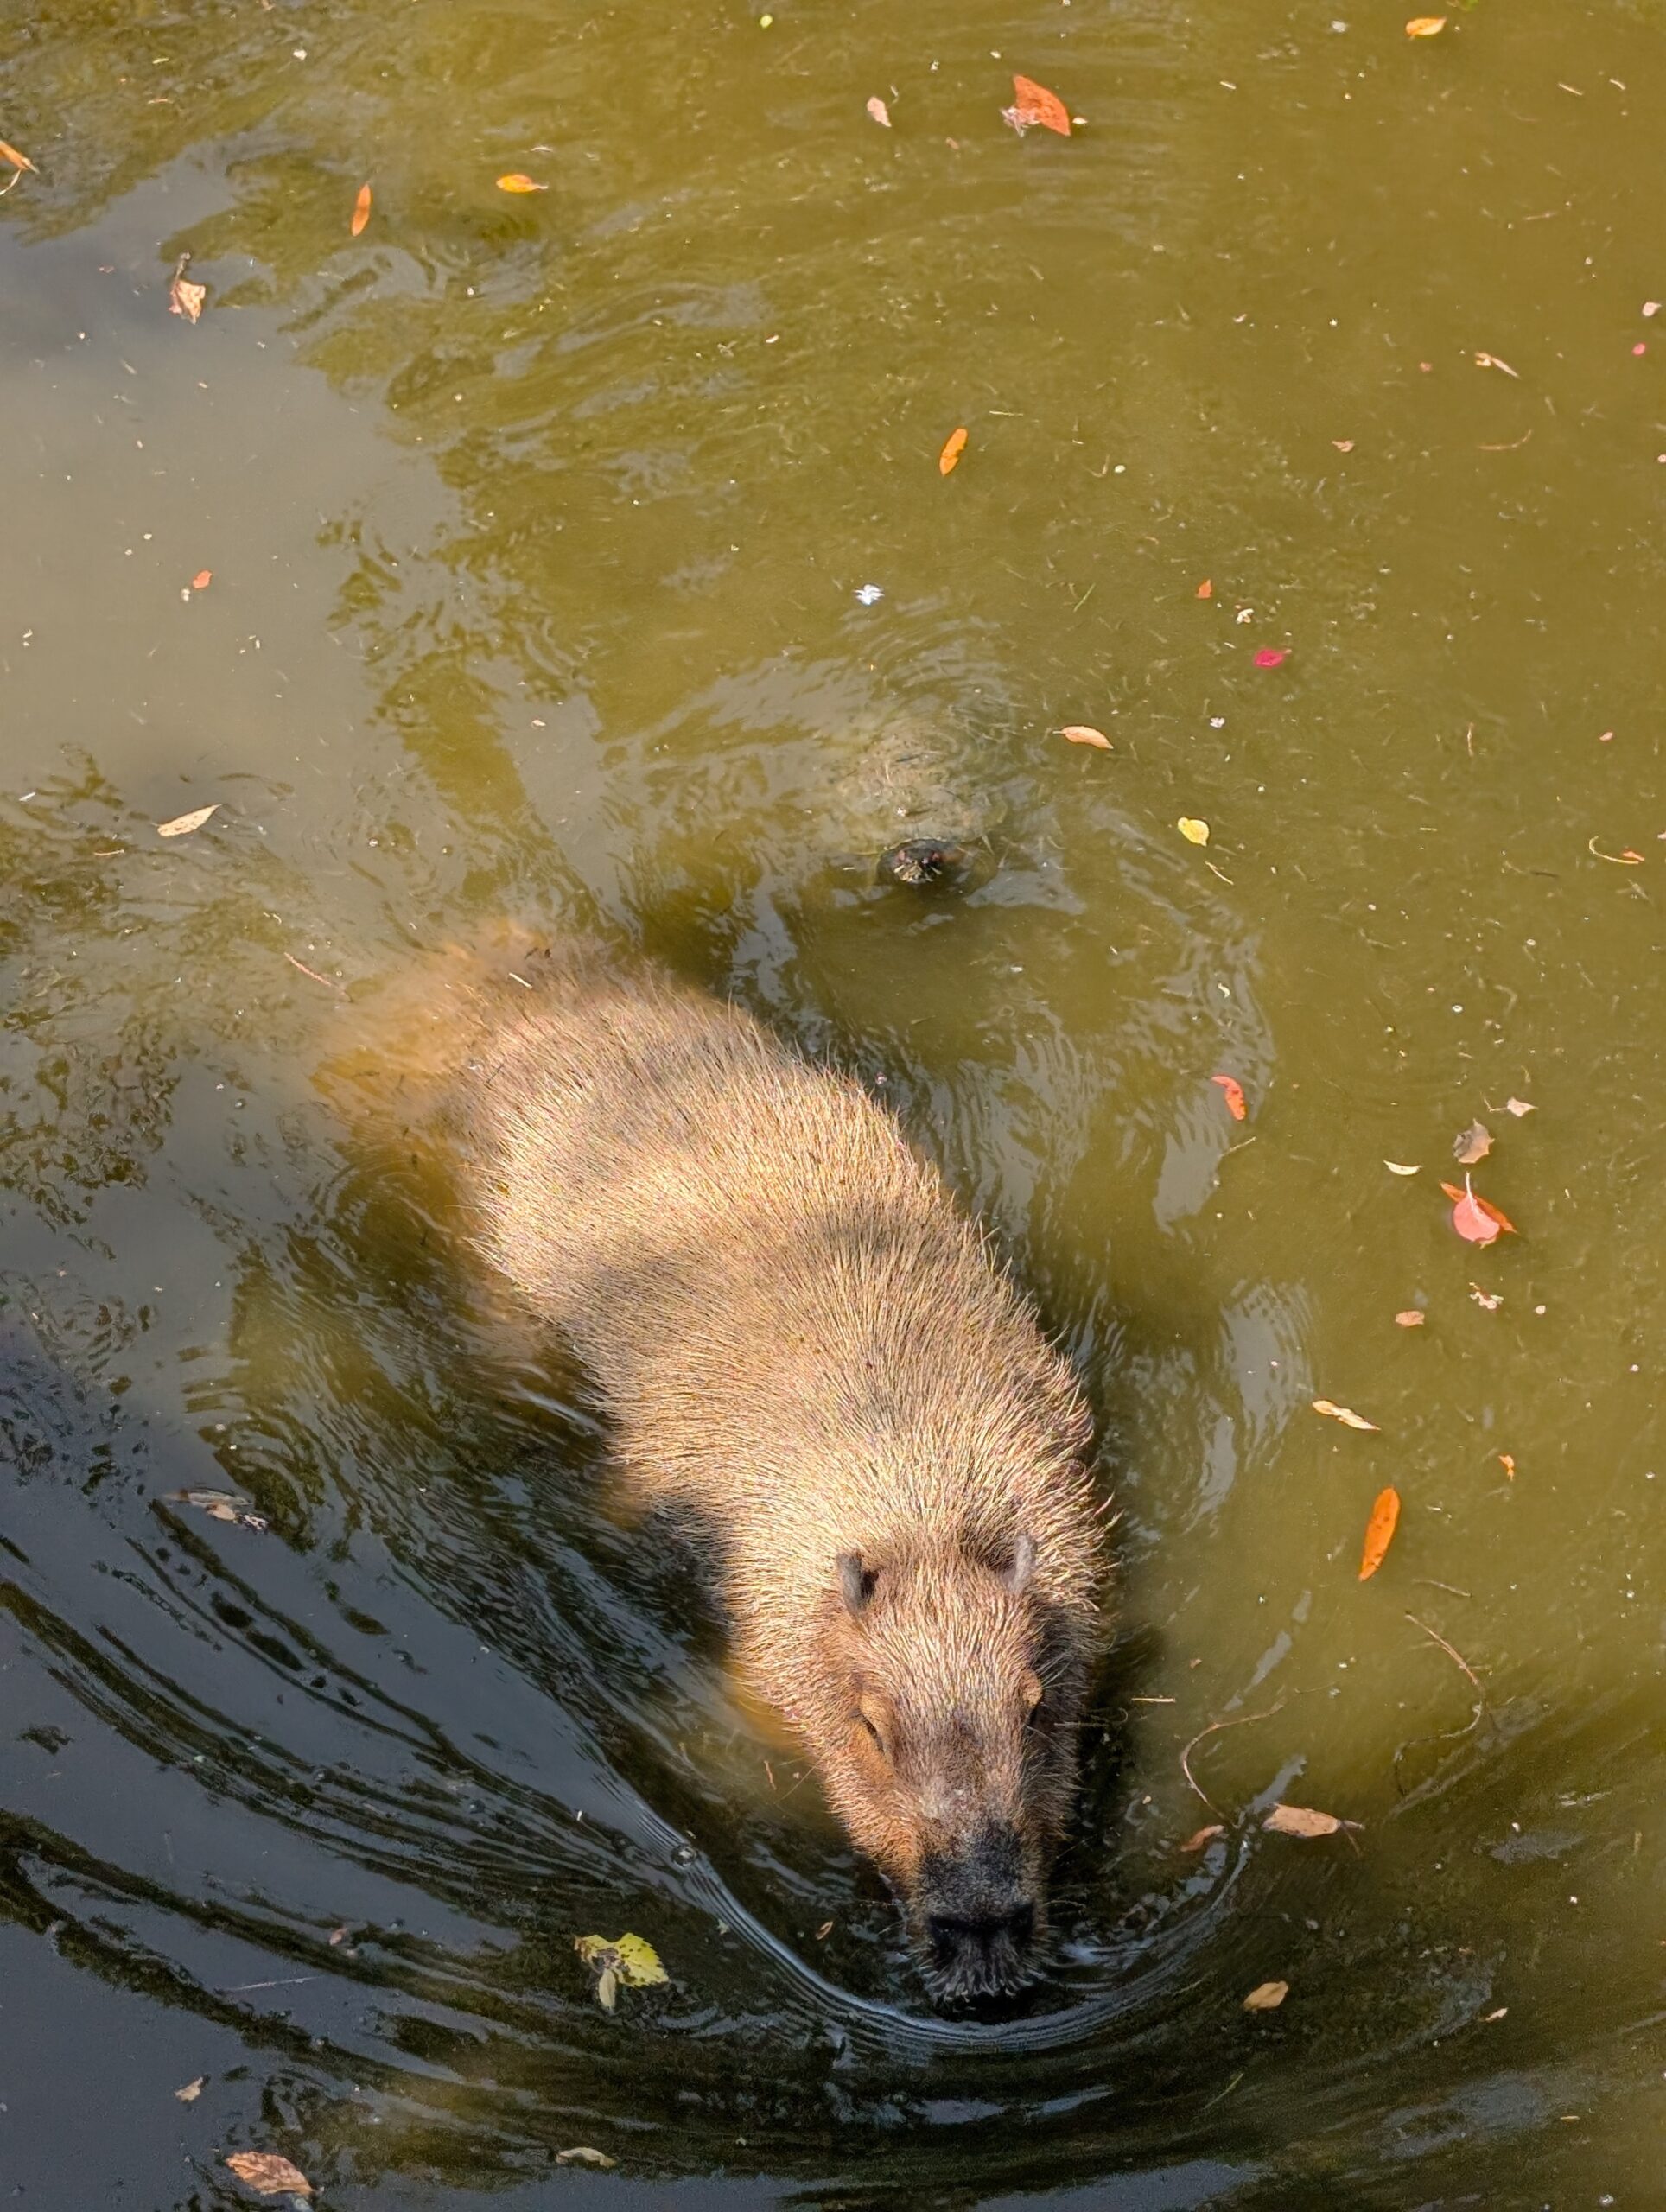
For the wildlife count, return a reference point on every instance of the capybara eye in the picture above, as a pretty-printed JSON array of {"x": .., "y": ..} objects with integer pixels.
[{"x": 879, "y": 1740}]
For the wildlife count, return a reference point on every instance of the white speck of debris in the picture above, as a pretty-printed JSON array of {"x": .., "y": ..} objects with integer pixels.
[{"x": 869, "y": 593}]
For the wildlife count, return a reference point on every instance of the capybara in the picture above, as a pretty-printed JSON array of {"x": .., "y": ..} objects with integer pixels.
[{"x": 811, "y": 1361}]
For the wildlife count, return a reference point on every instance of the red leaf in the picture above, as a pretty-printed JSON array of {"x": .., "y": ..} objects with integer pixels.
[
  {"x": 1270, "y": 656},
  {"x": 1232, "y": 1091},
  {"x": 202, "y": 579},
  {"x": 1475, "y": 1220},
  {"x": 1379, "y": 1531},
  {"x": 1035, "y": 103},
  {"x": 1206, "y": 589}
]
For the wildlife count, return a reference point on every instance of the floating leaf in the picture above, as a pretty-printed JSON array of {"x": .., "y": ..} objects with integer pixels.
[
  {"x": 268, "y": 2175},
  {"x": 881, "y": 114},
  {"x": 218, "y": 1505},
  {"x": 19, "y": 162},
  {"x": 184, "y": 297},
  {"x": 1491, "y": 1300},
  {"x": 1491, "y": 361},
  {"x": 1206, "y": 589},
  {"x": 582, "y": 2155},
  {"x": 1343, "y": 445},
  {"x": 1346, "y": 1415},
  {"x": 1475, "y": 1220},
  {"x": 1507, "y": 1462},
  {"x": 515, "y": 181},
  {"x": 1270, "y": 656},
  {"x": 1199, "y": 1837},
  {"x": 1195, "y": 832},
  {"x": 1472, "y": 1144},
  {"x": 625, "y": 1961},
  {"x": 1399, "y": 1167},
  {"x": 1411, "y": 1318},
  {"x": 1232, "y": 1091},
  {"x": 192, "y": 2090},
  {"x": 1426, "y": 26},
  {"x": 184, "y": 824},
  {"x": 1519, "y": 1107},
  {"x": 1379, "y": 1531},
  {"x": 202, "y": 579},
  {"x": 1034, "y": 104},
  {"x": 954, "y": 445},
  {"x": 1084, "y": 734},
  {"x": 360, "y": 211},
  {"x": 1301, "y": 1820},
  {"x": 1267, "y": 1997}
]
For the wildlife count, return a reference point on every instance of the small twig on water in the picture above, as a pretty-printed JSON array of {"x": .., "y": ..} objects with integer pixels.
[
  {"x": 1446, "y": 1734},
  {"x": 1238, "y": 1721},
  {"x": 328, "y": 981}
]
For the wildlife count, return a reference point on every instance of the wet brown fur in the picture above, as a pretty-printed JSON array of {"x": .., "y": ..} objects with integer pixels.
[{"x": 808, "y": 1357}]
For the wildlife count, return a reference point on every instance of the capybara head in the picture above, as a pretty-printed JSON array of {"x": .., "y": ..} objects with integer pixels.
[{"x": 946, "y": 1741}]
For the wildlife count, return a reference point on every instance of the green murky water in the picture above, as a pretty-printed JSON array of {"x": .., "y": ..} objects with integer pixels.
[{"x": 536, "y": 527}]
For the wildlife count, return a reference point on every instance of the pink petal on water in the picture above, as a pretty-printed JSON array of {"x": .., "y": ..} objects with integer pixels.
[{"x": 1269, "y": 656}]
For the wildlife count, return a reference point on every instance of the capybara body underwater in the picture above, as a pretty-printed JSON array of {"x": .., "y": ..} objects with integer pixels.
[{"x": 811, "y": 1363}]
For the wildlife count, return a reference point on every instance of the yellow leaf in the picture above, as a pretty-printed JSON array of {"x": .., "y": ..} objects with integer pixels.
[
  {"x": 1399, "y": 1167},
  {"x": 1426, "y": 26},
  {"x": 619, "y": 1961},
  {"x": 1195, "y": 832},
  {"x": 1267, "y": 1997},
  {"x": 516, "y": 182},
  {"x": 1084, "y": 734},
  {"x": 182, "y": 824},
  {"x": 184, "y": 297},
  {"x": 1346, "y": 1415}
]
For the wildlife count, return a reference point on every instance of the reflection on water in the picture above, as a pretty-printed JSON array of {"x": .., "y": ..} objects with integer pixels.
[{"x": 535, "y": 527}]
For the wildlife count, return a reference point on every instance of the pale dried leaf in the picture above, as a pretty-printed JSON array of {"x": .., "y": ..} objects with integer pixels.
[
  {"x": 192, "y": 2090},
  {"x": 1519, "y": 1107},
  {"x": 184, "y": 297},
  {"x": 1472, "y": 1144},
  {"x": 268, "y": 2175},
  {"x": 184, "y": 824},
  {"x": 582, "y": 2155},
  {"x": 1084, "y": 734},
  {"x": 1195, "y": 832},
  {"x": 1411, "y": 1318},
  {"x": 1426, "y": 26},
  {"x": 218, "y": 1505},
  {"x": 881, "y": 115},
  {"x": 1399, "y": 1167},
  {"x": 1346, "y": 1415},
  {"x": 1302, "y": 1819},
  {"x": 1267, "y": 1997},
  {"x": 606, "y": 1989}
]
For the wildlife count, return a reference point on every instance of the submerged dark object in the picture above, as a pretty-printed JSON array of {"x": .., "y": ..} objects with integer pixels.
[{"x": 924, "y": 861}]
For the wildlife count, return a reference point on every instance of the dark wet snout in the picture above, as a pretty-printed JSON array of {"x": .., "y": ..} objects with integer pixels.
[{"x": 979, "y": 1917}]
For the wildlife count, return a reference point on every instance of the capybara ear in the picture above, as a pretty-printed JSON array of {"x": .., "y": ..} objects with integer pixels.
[
  {"x": 855, "y": 1584},
  {"x": 1021, "y": 1567}
]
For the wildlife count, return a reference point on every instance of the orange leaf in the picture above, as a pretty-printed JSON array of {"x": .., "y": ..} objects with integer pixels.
[
  {"x": 1035, "y": 103},
  {"x": 1232, "y": 1091},
  {"x": 1507, "y": 1462},
  {"x": 1206, "y": 589},
  {"x": 19, "y": 162},
  {"x": 202, "y": 579},
  {"x": 1085, "y": 734},
  {"x": 268, "y": 2175},
  {"x": 1475, "y": 1220},
  {"x": 1201, "y": 1836},
  {"x": 516, "y": 182},
  {"x": 1426, "y": 26},
  {"x": 1411, "y": 1318},
  {"x": 360, "y": 211},
  {"x": 1379, "y": 1531},
  {"x": 954, "y": 445}
]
